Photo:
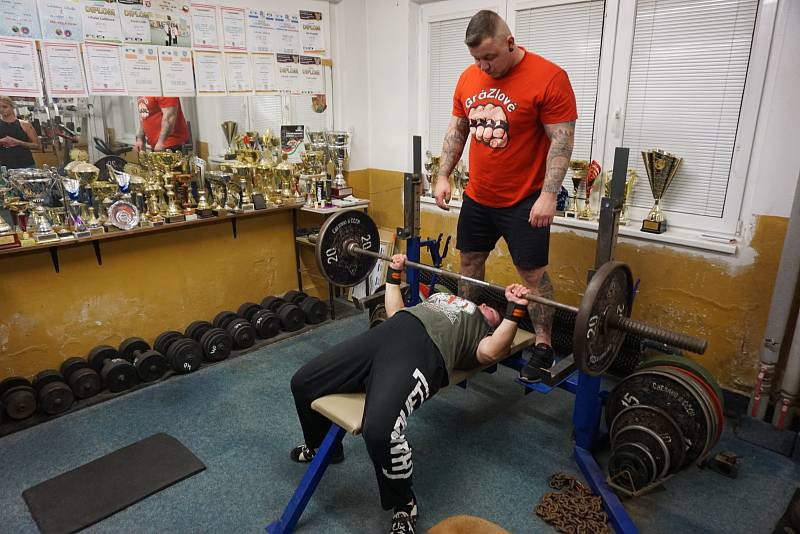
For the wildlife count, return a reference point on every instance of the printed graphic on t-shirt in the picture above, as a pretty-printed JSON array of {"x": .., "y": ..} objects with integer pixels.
[
  {"x": 144, "y": 110},
  {"x": 450, "y": 305},
  {"x": 488, "y": 119}
]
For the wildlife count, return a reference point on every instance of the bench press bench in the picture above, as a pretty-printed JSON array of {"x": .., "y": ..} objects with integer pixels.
[{"x": 346, "y": 410}]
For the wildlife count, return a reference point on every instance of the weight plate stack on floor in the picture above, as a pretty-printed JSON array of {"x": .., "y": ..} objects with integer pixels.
[
  {"x": 242, "y": 333},
  {"x": 291, "y": 316},
  {"x": 267, "y": 323},
  {"x": 54, "y": 395},
  {"x": 17, "y": 397},
  {"x": 184, "y": 355},
  {"x": 117, "y": 374},
  {"x": 216, "y": 344},
  {"x": 84, "y": 381},
  {"x": 314, "y": 309}
]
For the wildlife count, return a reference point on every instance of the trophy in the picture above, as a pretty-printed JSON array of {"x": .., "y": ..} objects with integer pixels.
[
  {"x": 458, "y": 181},
  {"x": 432, "y": 170},
  {"x": 339, "y": 150},
  {"x": 203, "y": 209},
  {"x": 35, "y": 186},
  {"x": 630, "y": 181},
  {"x": 72, "y": 188},
  {"x": 8, "y": 237},
  {"x": 229, "y": 129},
  {"x": 174, "y": 213},
  {"x": 219, "y": 181},
  {"x": 123, "y": 214},
  {"x": 661, "y": 169},
  {"x": 579, "y": 168},
  {"x": 592, "y": 172}
]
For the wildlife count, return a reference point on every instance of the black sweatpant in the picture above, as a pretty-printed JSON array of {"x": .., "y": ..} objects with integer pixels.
[{"x": 399, "y": 367}]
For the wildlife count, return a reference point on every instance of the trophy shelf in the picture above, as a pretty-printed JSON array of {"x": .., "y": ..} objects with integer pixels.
[{"x": 53, "y": 246}]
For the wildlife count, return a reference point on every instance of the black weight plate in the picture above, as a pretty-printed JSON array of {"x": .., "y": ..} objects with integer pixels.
[
  {"x": 294, "y": 296},
  {"x": 690, "y": 365},
  {"x": 267, "y": 324},
  {"x": 716, "y": 413},
  {"x": 700, "y": 394},
  {"x": 634, "y": 459},
  {"x": 223, "y": 319},
  {"x": 648, "y": 438},
  {"x": 131, "y": 345},
  {"x": 292, "y": 318},
  {"x": 99, "y": 354},
  {"x": 165, "y": 339},
  {"x": 271, "y": 301},
  {"x": 248, "y": 309},
  {"x": 314, "y": 309},
  {"x": 654, "y": 388},
  {"x": 659, "y": 422},
  {"x": 13, "y": 382},
  {"x": 335, "y": 235},
  {"x": 48, "y": 376},
  {"x": 277, "y": 304},
  {"x": 196, "y": 329},
  {"x": 85, "y": 382},
  {"x": 70, "y": 365},
  {"x": 55, "y": 398},
  {"x": 185, "y": 356},
  {"x": 150, "y": 365},
  {"x": 610, "y": 292},
  {"x": 19, "y": 400},
  {"x": 118, "y": 375},
  {"x": 216, "y": 344},
  {"x": 242, "y": 333}
]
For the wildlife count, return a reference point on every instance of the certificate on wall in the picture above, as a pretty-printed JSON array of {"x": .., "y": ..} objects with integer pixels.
[
  {"x": 260, "y": 27},
  {"x": 63, "y": 69},
  {"x": 205, "y": 28},
  {"x": 238, "y": 77},
  {"x": 312, "y": 32},
  {"x": 209, "y": 72},
  {"x": 61, "y": 19},
  {"x": 135, "y": 22},
  {"x": 19, "y": 68},
  {"x": 313, "y": 80},
  {"x": 101, "y": 21},
  {"x": 104, "y": 69},
  {"x": 234, "y": 34},
  {"x": 140, "y": 70},
  {"x": 289, "y": 80},
  {"x": 19, "y": 18},
  {"x": 286, "y": 37},
  {"x": 177, "y": 75},
  {"x": 170, "y": 23},
  {"x": 263, "y": 73}
]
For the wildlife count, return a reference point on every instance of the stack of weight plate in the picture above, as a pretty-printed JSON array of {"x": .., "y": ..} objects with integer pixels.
[{"x": 662, "y": 418}]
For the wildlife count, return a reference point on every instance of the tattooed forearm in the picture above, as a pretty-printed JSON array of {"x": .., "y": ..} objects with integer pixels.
[
  {"x": 453, "y": 144},
  {"x": 562, "y": 137},
  {"x": 541, "y": 315}
]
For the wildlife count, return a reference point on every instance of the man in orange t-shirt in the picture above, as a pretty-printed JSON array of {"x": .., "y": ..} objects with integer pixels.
[
  {"x": 162, "y": 124},
  {"x": 518, "y": 110}
]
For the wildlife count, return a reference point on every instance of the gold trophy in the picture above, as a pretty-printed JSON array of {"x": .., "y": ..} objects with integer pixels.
[
  {"x": 219, "y": 181},
  {"x": 661, "y": 169},
  {"x": 630, "y": 182},
  {"x": 229, "y": 129},
  {"x": 592, "y": 172},
  {"x": 579, "y": 168}
]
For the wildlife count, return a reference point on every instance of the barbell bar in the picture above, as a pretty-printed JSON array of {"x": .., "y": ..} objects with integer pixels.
[{"x": 348, "y": 246}]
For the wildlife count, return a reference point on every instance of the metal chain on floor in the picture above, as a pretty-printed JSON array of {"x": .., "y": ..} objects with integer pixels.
[{"x": 573, "y": 509}]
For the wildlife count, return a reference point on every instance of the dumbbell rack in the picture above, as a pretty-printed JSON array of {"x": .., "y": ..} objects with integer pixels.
[{"x": 588, "y": 407}]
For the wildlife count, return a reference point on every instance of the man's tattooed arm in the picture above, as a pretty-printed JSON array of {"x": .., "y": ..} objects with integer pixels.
[
  {"x": 562, "y": 138},
  {"x": 453, "y": 144}
]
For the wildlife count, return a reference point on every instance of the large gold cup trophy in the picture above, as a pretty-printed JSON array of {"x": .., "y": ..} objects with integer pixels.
[{"x": 661, "y": 169}]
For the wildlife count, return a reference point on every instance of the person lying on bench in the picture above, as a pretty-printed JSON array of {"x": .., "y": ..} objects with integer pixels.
[{"x": 400, "y": 364}]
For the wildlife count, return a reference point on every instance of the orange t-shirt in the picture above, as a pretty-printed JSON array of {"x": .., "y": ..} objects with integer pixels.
[
  {"x": 150, "y": 112},
  {"x": 533, "y": 93}
]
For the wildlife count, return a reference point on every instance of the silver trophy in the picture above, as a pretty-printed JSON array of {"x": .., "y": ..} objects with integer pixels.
[
  {"x": 72, "y": 188},
  {"x": 122, "y": 213},
  {"x": 35, "y": 186},
  {"x": 339, "y": 151}
]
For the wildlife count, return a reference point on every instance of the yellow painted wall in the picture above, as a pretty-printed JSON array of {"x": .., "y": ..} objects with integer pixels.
[
  {"x": 147, "y": 284},
  {"x": 685, "y": 291}
]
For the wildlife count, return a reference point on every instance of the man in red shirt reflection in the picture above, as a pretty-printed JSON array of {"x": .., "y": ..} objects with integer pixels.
[{"x": 162, "y": 123}]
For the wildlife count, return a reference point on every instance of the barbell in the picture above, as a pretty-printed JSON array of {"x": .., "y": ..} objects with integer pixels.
[{"x": 348, "y": 246}]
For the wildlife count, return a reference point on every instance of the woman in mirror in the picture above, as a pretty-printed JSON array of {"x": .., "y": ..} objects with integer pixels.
[{"x": 17, "y": 137}]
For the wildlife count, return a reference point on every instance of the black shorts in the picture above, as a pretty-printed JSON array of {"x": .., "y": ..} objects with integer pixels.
[{"x": 479, "y": 228}]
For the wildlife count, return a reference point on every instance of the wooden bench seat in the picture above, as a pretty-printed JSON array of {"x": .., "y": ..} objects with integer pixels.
[{"x": 347, "y": 409}]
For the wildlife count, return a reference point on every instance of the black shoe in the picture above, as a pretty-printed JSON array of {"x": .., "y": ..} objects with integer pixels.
[
  {"x": 302, "y": 454},
  {"x": 404, "y": 519},
  {"x": 539, "y": 365}
]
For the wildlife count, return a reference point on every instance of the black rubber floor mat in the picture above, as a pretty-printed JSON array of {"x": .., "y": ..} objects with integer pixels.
[{"x": 81, "y": 497}]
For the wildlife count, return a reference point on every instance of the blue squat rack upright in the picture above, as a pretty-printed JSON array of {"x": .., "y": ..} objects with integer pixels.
[{"x": 587, "y": 411}]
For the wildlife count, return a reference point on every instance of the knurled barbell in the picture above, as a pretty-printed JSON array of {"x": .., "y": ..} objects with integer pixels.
[{"x": 348, "y": 245}]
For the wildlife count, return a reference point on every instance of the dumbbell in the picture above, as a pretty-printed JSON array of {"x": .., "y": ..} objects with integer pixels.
[
  {"x": 18, "y": 397},
  {"x": 215, "y": 342},
  {"x": 54, "y": 395},
  {"x": 183, "y": 354},
  {"x": 240, "y": 330},
  {"x": 118, "y": 374},
  {"x": 314, "y": 309},
  {"x": 291, "y": 316},
  {"x": 150, "y": 364},
  {"x": 81, "y": 378},
  {"x": 266, "y": 322}
]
